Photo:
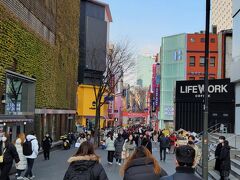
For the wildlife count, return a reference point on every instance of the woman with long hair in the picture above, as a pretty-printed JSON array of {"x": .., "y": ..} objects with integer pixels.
[
  {"x": 141, "y": 165},
  {"x": 128, "y": 147},
  {"x": 110, "y": 148},
  {"x": 85, "y": 164},
  {"x": 119, "y": 148},
  {"x": 22, "y": 165}
]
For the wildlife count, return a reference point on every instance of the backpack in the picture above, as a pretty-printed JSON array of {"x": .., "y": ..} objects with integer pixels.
[
  {"x": 27, "y": 147},
  {"x": 83, "y": 175}
]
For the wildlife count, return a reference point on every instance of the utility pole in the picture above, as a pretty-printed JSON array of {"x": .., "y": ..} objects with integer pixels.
[{"x": 206, "y": 82}]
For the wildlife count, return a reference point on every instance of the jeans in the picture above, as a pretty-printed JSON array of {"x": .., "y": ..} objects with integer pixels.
[
  {"x": 5, "y": 169},
  {"x": 110, "y": 156},
  {"x": 46, "y": 154},
  {"x": 19, "y": 172},
  {"x": 163, "y": 150},
  {"x": 30, "y": 163}
]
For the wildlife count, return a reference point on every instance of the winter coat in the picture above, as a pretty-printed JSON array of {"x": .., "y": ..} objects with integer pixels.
[
  {"x": 198, "y": 155},
  {"x": 118, "y": 144},
  {"x": 110, "y": 144},
  {"x": 9, "y": 153},
  {"x": 142, "y": 169},
  {"x": 164, "y": 142},
  {"x": 80, "y": 164},
  {"x": 147, "y": 143},
  {"x": 128, "y": 149},
  {"x": 81, "y": 140},
  {"x": 35, "y": 146},
  {"x": 225, "y": 162},
  {"x": 22, "y": 165},
  {"x": 217, "y": 155},
  {"x": 182, "y": 173},
  {"x": 47, "y": 143}
]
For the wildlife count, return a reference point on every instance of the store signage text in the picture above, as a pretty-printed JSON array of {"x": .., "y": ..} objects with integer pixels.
[{"x": 196, "y": 89}]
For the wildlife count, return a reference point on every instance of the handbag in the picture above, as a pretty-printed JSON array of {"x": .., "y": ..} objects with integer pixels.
[
  {"x": 77, "y": 145},
  {"x": 1, "y": 157}
]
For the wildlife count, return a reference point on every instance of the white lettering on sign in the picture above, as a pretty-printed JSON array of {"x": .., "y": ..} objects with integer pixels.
[{"x": 200, "y": 89}]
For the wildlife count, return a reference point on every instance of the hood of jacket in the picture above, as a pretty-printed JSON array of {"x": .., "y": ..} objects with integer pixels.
[
  {"x": 82, "y": 163},
  {"x": 141, "y": 162},
  {"x": 30, "y": 137}
]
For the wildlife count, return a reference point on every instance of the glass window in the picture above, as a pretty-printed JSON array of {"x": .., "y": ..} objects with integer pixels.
[
  {"x": 212, "y": 40},
  {"x": 191, "y": 78},
  {"x": 192, "y": 61},
  {"x": 212, "y": 61},
  {"x": 202, "y": 39},
  {"x": 202, "y": 60},
  {"x": 201, "y": 78}
]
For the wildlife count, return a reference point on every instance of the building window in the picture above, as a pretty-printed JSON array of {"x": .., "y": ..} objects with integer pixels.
[
  {"x": 192, "y": 61},
  {"x": 192, "y": 40},
  {"x": 212, "y": 61},
  {"x": 191, "y": 78},
  {"x": 201, "y": 78},
  {"x": 202, "y": 39},
  {"x": 202, "y": 60},
  {"x": 212, "y": 40}
]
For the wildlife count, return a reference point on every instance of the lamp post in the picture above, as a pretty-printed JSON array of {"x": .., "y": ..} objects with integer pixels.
[
  {"x": 24, "y": 127},
  {"x": 206, "y": 82}
]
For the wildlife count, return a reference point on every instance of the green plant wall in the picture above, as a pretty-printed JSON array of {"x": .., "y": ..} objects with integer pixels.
[{"x": 53, "y": 66}]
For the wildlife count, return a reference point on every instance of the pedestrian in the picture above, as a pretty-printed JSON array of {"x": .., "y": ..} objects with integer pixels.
[
  {"x": 173, "y": 140},
  {"x": 146, "y": 142},
  {"x": 140, "y": 140},
  {"x": 80, "y": 140},
  {"x": 46, "y": 145},
  {"x": 32, "y": 140},
  {"x": 8, "y": 153},
  {"x": 218, "y": 152},
  {"x": 142, "y": 166},
  {"x": 22, "y": 165},
  {"x": 155, "y": 138},
  {"x": 85, "y": 164},
  {"x": 118, "y": 144},
  {"x": 164, "y": 144},
  {"x": 128, "y": 147},
  {"x": 185, "y": 156},
  {"x": 110, "y": 148},
  {"x": 225, "y": 162},
  {"x": 191, "y": 142}
]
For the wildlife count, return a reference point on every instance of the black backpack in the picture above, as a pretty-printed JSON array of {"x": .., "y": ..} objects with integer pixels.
[
  {"x": 83, "y": 175},
  {"x": 27, "y": 147}
]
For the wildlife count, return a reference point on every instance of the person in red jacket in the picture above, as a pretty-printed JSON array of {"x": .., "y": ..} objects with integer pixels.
[{"x": 173, "y": 139}]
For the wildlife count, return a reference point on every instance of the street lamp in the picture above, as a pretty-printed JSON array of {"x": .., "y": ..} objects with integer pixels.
[
  {"x": 206, "y": 82},
  {"x": 24, "y": 127}
]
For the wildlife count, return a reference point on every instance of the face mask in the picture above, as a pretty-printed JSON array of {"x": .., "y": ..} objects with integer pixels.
[
  {"x": 220, "y": 141},
  {"x": 4, "y": 139}
]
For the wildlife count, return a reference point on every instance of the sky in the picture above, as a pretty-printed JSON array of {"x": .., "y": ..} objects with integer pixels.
[{"x": 144, "y": 22}]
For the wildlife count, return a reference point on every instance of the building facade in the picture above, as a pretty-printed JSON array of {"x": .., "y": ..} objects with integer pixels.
[
  {"x": 95, "y": 18},
  {"x": 221, "y": 17},
  {"x": 182, "y": 58},
  {"x": 38, "y": 66},
  {"x": 235, "y": 66}
]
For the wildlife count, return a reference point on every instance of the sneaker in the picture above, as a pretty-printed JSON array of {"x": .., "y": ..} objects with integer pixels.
[
  {"x": 19, "y": 177},
  {"x": 32, "y": 177},
  {"x": 25, "y": 178},
  {"x": 119, "y": 164}
]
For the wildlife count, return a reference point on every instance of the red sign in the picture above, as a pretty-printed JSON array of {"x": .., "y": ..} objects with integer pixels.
[{"x": 135, "y": 115}]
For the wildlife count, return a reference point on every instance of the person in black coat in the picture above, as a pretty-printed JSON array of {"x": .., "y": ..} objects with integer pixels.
[
  {"x": 164, "y": 144},
  {"x": 9, "y": 152},
  {"x": 142, "y": 166},
  {"x": 225, "y": 162},
  {"x": 146, "y": 142},
  {"x": 85, "y": 165},
  {"x": 46, "y": 145},
  {"x": 218, "y": 152},
  {"x": 118, "y": 144}
]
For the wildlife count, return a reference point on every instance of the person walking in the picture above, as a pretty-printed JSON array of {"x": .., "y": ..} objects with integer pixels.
[
  {"x": 225, "y": 162},
  {"x": 146, "y": 142},
  {"x": 218, "y": 152},
  {"x": 46, "y": 145},
  {"x": 164, "y": 144},
  {"x": 185, "y": 156},
  {"x": 85, "y": 164},
  {"x": 110, "y": 148},
  {"x": 8, "y": 153},
  {"x": 128, "y": 147},
  {"x": 22, "y": 165},
  {"x": 141, "y": 165},
  {"x": 118, "y": 144},
  {"x": 191, "y": 142},
  {"x": 31, "y": 141},
  {"x": 82, "y": 138},
  {"x": 173, "y": 140}
]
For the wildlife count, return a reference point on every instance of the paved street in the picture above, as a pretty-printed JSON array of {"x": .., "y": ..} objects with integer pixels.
[{"x": 55, "y": 168}]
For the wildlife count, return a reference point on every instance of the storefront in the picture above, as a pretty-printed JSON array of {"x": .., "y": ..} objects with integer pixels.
[
  {"x": 189, "y": 102},
  {"x": 19, "y": 104}
]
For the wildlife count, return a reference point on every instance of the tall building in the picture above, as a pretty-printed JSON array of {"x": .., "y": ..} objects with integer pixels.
[
  {"x": 182, "y": 58},
  {"x": 235, "y": 66},
  {"x": 221, "y": 17},
  {"x": 95, "y": 18},
  {"x": 38, "y": 66},
  {"x": 144, "y": 70}
]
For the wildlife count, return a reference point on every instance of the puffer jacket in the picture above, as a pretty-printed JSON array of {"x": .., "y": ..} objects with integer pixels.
[
  {"x": 225, "y": 161},
  {"x": 35, "y": 146},
  {"x": 22, "y": 165},
  {"x": 80, "y": 164},
  {"x": 110, "y": 144},
  {"x": 119, "y": 142},
  {"x": 142, "y": 169},
  {"x": 9, "y": 153}
]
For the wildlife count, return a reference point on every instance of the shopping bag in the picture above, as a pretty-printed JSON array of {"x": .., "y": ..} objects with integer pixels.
[{"x": 77, "y": 145}]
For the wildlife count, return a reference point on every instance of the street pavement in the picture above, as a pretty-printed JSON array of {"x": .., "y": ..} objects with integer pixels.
[{"x": 55, "y": 168}]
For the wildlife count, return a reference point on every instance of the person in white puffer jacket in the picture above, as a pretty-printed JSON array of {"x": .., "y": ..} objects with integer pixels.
[
  {"x": 22, "y": 165},
  {"x": 30, "y": 159}
]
